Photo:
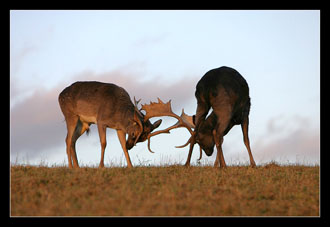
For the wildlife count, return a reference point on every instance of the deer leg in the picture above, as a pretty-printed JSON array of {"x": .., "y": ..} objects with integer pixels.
[
  {"x": 80, "y": 129},
  {"x": 71, "y": 123},
  {"x": 68, "y": 150},
  {"x": 222, "y": 110},
  {"x": 201, "y": 112},
  {"x": 245, "y": 127},
  {"x": 75, "y": 136},
  {"x": 122, "y": 138},
  {"x": 103, "y": 140},
  {"x": 218, "y": 142}
]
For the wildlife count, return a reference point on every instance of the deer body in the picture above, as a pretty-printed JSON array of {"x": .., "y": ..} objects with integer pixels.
[
  {"x": 227, "y": 92},
  {"x": 95, "y": 102},
  {"x": 104, "y": 104}
]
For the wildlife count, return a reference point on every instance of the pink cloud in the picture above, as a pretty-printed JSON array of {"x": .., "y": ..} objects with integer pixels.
[
  {"x": 35, "y": 123},
  {"x": 292, "y": 140}
]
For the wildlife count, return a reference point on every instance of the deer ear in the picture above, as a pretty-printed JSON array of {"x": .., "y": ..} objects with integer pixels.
[{"x": 156, "y": 124}]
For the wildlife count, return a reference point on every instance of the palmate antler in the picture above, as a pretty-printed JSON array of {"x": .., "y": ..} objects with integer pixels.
[{"x": 161, "y": 109}]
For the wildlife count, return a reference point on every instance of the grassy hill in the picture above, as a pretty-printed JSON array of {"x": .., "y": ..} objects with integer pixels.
[{"x": 269, "y": 190}]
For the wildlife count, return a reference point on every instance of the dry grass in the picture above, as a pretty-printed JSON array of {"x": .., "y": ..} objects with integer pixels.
[{"x": 270, "y": 190}]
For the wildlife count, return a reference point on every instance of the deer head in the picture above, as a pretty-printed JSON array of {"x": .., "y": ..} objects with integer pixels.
[
  {"x": 204, "y": 137},
  {"x": 141, "y": 127},
  {"x": 134, "y": 130}
]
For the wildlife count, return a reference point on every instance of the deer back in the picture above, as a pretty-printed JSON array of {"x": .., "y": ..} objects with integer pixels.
[{"x": 226, "y": 86}]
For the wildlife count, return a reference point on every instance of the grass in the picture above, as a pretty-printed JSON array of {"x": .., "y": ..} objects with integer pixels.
[{"x": 269, "y": 190}]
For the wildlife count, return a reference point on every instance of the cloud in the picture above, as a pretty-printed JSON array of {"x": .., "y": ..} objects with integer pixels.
[
  {"x": 19, "y": 89},
  {"x": 18, "y": 58},
  {"x": 289, "y": 139},
  {"x": 37, "y": 124}
]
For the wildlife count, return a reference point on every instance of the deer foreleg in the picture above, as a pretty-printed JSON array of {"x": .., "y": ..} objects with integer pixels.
[
  {"x": 102, "y": 134},
  {"x": 191, "y": 147},
  {"x": 68, "y": 149},
  {"x": 122, "y": 138},
  {"x": 218, "y": 142},
  {"x": 201, "y": 112}
]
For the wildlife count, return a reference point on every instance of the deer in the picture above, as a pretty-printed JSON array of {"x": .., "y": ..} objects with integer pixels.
[
  {"x": 225, "y": 91},
  {"x": 108, "y": 106}
]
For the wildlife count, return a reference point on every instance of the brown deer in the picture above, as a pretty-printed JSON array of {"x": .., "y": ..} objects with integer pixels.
[
  {"x": 227, "y": 92},
  {"x": 107, "y": 105}
]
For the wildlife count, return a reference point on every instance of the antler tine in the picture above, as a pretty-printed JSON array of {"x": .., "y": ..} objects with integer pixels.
[
  {"x": 136, "y": 102},
  {"x": 187, "y": 119},
  {"x": 200, "y": 153},
  {"x": 167, "y": 130},
  {"x": 188, "y": 142},
  {"x": 184, "y": 145}
]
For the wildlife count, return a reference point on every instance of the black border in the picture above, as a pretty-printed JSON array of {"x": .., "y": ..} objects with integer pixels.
[{"x": 178, "y": 220}]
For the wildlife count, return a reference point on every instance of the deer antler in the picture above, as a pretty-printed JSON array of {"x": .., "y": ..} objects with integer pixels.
[
  {"x": 164, "y": 109},
  {"x": 136, "y": 102}
]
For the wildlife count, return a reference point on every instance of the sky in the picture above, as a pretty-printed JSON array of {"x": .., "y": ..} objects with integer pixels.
[{"x": 155, "y": 53}]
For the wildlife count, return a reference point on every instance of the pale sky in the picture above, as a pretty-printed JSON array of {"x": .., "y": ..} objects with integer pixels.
[{"x": 163, "y": 54}]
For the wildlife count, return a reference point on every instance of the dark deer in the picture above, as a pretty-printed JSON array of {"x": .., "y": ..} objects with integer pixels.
[
  {"x": 107, "y": 105},
  {"x": 227, "y": 92}
]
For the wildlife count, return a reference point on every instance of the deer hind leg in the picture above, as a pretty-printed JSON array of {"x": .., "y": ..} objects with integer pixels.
[
  {"x": 102, "y": 133},
  {"x": 71, "y": 123},
  {"x": 245, "y": 127},
  {"x": 79, "y": 130},
  {"x": 122, "y": 139}
]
